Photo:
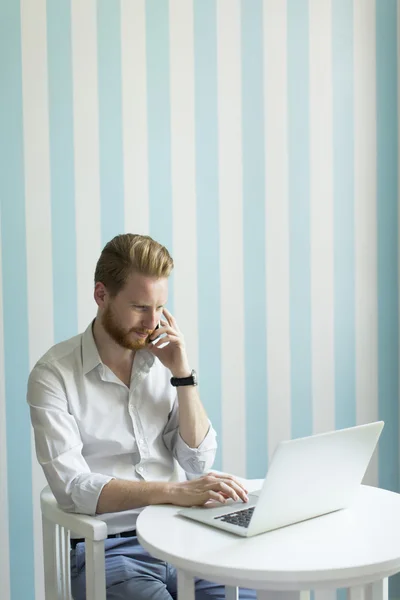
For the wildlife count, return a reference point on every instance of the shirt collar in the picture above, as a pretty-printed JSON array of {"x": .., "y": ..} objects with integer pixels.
[
  {"x": 146, "y": 358},
  {"x": 91, "y": 357},
  {"x": 90, "y": 354}
]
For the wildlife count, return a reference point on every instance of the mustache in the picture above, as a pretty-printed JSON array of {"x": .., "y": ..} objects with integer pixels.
[{"x": 136, "y": 330}]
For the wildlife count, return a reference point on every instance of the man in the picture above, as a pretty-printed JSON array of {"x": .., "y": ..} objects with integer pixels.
[{"x": 115, "y": 409}]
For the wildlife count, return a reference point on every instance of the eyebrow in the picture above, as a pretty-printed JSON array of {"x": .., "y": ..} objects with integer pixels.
[{"x": 146, "y": 305}]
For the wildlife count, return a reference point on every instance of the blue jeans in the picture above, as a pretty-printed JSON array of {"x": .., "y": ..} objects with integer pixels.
[{"x": 133, "y": 574}]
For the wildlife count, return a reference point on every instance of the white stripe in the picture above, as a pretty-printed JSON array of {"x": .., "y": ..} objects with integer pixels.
[
  {"x": 134, "y": 115},
  {"x": 4, "y": 531},
  {"x": 37, "y": 177},
  {"x": 365, "y": 218},
  {"x": 38, "y": 219},
  {"x": 321, "y": 223},
  {"x": 86, "y": 153},
  {"x": 183, "y": 171},
  {"x": 231, "y": 236},
  {"x": 321, "y": 208},
  {"x": 277, "y": 223}
]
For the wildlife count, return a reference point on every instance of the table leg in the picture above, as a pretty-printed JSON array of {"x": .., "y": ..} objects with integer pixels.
[
  {"x": 325, "y": 594},
  {"x": 379, "y": 590},
  {"x": 185, "y": 585},
  {"x": 231, "y": 593},
  {"x": 356, "y": 593},
  {"x": 268, "y": 595}
]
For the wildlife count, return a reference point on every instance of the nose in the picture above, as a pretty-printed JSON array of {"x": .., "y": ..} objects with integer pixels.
[{"x": 150, "y": 320}]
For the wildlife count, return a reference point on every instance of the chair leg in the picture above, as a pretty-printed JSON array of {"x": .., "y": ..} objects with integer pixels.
[
  {"x": 64, "y": 559},
  {"x": 269, "y": 595},
  {"x": 51, "y": 561},
  {"x": 95, "y": 571}
]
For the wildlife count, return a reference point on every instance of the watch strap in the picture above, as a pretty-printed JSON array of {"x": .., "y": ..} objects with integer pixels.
[{"x": 179, "y": 381}]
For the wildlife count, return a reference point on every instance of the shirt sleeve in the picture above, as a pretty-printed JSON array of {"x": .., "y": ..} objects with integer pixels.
[
  {"x": 59, "y": 445},
  {"x": 192, "y": 460}
]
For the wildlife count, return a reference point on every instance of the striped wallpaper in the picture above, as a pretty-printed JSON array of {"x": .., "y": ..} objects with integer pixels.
[{"x": 258, "y": 140}]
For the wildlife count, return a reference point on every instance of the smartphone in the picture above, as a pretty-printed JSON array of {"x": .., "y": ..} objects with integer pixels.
[{"x": 158, "y": 337}]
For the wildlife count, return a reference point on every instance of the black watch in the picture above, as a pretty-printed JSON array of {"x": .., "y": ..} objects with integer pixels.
[{"x": 191, "y": 380}]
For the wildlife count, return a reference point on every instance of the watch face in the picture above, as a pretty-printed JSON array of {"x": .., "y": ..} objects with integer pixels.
[{"x": 194, "y": 374}]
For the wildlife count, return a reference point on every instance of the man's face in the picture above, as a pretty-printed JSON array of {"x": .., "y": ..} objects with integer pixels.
[{"x": 131, "y": 316}]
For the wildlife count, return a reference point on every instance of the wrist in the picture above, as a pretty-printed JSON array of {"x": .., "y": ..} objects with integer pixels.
[
  {"x": 173, "y": 492},
  {"x": 182, "y": 372},
  {"x": 160, "y": 493},
  {"x": 167, "y": 493}
]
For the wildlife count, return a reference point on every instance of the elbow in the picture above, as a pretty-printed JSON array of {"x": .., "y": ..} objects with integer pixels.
[{"x": 197, "y": 465}]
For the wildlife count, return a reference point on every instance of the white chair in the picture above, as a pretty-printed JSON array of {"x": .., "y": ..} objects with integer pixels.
[{"x": 57, "y": 526}]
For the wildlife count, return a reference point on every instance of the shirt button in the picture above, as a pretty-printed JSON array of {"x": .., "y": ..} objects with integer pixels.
[
  {"x": 140, "y": 469},
  {"x": 141, "y": 442}
]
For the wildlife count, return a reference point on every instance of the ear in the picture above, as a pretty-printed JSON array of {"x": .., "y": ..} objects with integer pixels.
[{"x": 100, "y": 294}]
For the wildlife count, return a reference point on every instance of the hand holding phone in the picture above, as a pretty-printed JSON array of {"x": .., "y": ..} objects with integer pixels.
[{"x": 158, "y": 337}]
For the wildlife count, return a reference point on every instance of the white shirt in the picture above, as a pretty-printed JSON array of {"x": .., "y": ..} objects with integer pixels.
[{"x": 91, "y": 428}]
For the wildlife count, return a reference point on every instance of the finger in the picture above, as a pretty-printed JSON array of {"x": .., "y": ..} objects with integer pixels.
[
  {"x": 212, "y": 495},
  {"x": 238, "y": 493},
  {"x": 152, "y": 348},
  {"x": 232, "y": 478},
  {"x": 159, "y": 342},
  {"x": 171, "y": 319},
  {"x": 160, "y": 331},
  {"x": 166, "y": 339},
  {"x": 157, "y": 346},
  {"x": 223, "y": 488},
  {"x": 237, "y": 488},
  {"x": 167, "y": 315},
  {"x": 166, "y": 328},
  {"x": 226, "y": 477}
]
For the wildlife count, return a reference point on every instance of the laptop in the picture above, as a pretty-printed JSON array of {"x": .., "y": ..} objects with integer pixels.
[{"x": 307, "y": 477}]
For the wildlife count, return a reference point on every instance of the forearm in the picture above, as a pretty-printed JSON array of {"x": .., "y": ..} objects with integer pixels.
[
  {"x": 193, "y": 420},
  {"x": 119, "y": 495}
]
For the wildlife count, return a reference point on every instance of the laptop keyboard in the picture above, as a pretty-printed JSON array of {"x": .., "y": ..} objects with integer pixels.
[{"x": 240, "y": 517}]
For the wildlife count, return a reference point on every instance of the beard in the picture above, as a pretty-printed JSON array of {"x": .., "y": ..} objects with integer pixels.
[{"x": 123, "y": 336}]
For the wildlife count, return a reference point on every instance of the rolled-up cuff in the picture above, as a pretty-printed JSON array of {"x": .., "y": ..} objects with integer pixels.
[
  {"x": 86, "y": 490},
  {"x": 200, "y": 459}
]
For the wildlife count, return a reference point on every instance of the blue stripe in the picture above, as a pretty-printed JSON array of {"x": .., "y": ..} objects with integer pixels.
[
  {"x": 299, "y": 216},
  {"x": 159, "y": 125},
  {"x": 387, "y": 191},
  {"x": 254, "y": 238},
  {"x": 110, "y": 119},
  {"x": 343, "y": 198},
  {"x": 343, "y": 188},
  {"x": 15, "y": 315},
  {"x": 387, "y": 231},
  {"x": 208, "y": 264},
  {"x": 62, "y": 169}
]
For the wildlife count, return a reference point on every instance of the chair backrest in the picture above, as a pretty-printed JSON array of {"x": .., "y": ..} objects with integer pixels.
[
  {"x": 56, "y": 552},
  {"x": 57, "y": 526}
]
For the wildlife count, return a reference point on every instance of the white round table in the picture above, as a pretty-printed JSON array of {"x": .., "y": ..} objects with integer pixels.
[{"x": 357, "y": 548}]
